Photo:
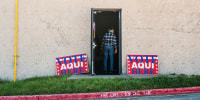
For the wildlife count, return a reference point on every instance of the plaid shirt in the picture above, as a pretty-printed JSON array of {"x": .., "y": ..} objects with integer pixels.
[{"x": 109, "y": 39}]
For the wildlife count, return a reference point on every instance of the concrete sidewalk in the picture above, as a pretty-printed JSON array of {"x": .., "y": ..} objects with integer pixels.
[{"x": 80, "y": 76}]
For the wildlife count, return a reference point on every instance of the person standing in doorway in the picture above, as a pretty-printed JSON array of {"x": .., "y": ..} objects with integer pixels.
[{"x": 109, "y": 44}]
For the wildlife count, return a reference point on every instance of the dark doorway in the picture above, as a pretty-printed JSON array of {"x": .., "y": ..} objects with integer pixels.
[{"x": 102, "y": 20}]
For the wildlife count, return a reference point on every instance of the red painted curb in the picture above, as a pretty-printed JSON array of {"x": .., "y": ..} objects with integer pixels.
[{"x": 105, "y": 94}]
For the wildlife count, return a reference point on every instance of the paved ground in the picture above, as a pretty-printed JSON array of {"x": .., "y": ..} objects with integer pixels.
[
  {"x": 192, "y": 96},
  {"x": 113, "y": 76}
]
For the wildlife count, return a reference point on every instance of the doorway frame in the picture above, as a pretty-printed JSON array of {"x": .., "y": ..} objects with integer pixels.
[{"x": 120, "y": 37}]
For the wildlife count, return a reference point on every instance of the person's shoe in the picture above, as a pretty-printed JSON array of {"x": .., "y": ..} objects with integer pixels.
[
  {"x": 111, "y": 72},
  {"x": 105, "y": 72}
]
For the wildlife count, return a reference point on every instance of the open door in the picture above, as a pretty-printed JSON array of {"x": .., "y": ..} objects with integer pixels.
[
  {"x": 101, "y": 20},
  {"x": 93, "y": 45}
]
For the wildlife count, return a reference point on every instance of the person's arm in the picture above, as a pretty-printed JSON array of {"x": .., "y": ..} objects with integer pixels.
[{"x": 115, "y": 44}]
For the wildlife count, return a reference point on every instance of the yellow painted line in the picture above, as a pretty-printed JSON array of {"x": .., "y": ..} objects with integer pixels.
[{"x": 15, "y": 70}]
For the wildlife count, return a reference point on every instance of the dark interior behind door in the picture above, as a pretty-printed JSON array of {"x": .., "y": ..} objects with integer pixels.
[{"x": 104, "y": 20}]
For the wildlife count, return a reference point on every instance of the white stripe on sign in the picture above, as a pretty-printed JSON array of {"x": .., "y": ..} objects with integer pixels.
[
  {"x": 143, "y": 57},
  {"x": 71, "y": 58}
]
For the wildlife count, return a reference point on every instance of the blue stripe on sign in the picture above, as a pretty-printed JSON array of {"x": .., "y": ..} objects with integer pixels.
[{"x": 62, "y": 72}]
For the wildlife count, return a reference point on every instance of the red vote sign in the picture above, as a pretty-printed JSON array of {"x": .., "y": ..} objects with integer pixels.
[
  {"x": 142, "y": 64},
  {"x": 74, "y": 64}
]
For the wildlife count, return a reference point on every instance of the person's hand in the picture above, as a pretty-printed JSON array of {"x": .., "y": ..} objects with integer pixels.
[{"x": 115, "y": 50}]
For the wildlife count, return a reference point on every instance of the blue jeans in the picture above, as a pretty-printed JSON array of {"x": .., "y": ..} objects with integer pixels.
[{"x": 108, "y": 50}]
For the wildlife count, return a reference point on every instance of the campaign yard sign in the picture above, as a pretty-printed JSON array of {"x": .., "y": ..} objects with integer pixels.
[
  {"x": 74, "y": 64},
  {"x": 142, "y": 64}
]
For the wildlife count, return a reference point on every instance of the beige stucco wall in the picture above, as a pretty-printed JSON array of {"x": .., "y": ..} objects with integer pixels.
[{"x": 54, "y": 28}]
